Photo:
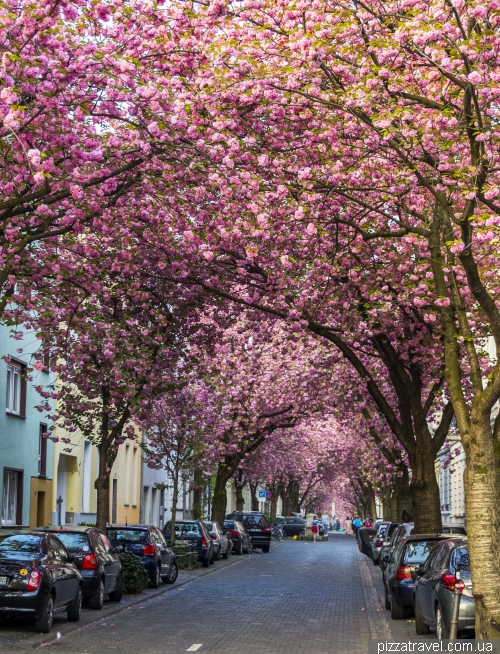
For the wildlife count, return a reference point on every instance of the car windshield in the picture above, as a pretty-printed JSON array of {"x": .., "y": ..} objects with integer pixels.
[
  {"x": 74, "y": 542},
  {"x": 20, "y": 546},
  {"x": 128, "y": 535},
  {"x": 417, "y": 551}
]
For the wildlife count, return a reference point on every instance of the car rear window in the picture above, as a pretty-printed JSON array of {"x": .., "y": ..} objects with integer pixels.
[
  {"x": 454, "y": 530},
  {"x": 210, "y": 526},
  {"x": 255, "y": 521},
  {"x": 229, "y": 525},
  {"x": 187, "y": 528},
  {"x": 23, "y": 546},
  {"x": 128, "y": 535},
  {"x": 417, "y": 551},
  {"x": 76, "y": 542}
]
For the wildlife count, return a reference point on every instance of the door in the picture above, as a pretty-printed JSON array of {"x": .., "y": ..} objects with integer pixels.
[
  {"x": 423, "y": 589},
  {"x": 62, "y": 572},
  {"x": 110, "y": 562},
  {"x": 165, "y": 554}
]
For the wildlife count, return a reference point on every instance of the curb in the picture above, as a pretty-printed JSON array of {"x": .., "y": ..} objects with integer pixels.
[{"x": 35, "y": 642}]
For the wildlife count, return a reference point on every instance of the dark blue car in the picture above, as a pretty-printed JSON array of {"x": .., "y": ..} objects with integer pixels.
[
  {"x": 195, "y": 533},
  {"x": 149, "y": 544},
  {"x": 401, "y": 571}
]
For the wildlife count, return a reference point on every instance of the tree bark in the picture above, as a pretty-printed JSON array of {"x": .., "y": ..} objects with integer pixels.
[
  {"x": 101, "y": 485},
  {"x": 401, "y": 498},
  {"x": 274, "y": 505},
  {"x": 219, "y": 500},
  {"x": 425, "y": 498},
  {"x": 239, "y": 485},
  {"x": 255, "y": 499},
  {"x": 198, "y": 494}
]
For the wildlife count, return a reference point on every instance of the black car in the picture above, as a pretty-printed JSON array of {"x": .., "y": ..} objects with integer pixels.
[
  {"x": 257, "y": 526},
  {"x": 239, "y": 536},
  {"x": 149, "y": 544},
  {"x": 97, "y": 561},
  {"x": 401, "y": 571},
  {"x": 195, "y": 532},
  {"x": 38, "y": 578},
  {"x": 434, "y": 589},
  {"x": 292, "y": 526}
]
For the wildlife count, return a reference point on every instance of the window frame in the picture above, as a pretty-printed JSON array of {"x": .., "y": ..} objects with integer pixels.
[
  {"x": 42, "y": 451},
  {"x": 15, "y": 364},
  {"x": 19, "y": 496}
]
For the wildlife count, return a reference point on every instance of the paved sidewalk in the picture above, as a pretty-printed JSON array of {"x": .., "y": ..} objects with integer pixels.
[{"x": 301, "y": 597}]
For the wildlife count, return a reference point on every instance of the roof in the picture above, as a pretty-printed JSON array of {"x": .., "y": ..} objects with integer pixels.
[
  {"x": 65, "y": 529},
  {"x": 430, "y": 536},
  {"x": 120, "y": 526}
]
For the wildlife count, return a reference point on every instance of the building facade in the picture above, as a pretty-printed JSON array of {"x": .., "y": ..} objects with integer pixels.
[{"x": 26, "y": 454}]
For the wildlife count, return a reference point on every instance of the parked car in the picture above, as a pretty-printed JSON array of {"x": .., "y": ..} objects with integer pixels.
[
  {"x": 384, "y": 532},
  {"x": 453, "y": 528},
  {"x": 257, "y": 526},
  {"x": 223, "y": 544},
  {"x": 239, "y": 536},
  {"x": 195, "y": 532},
  {"x": 38, "y": 579},
  {"x": 97, "y": 561},
  {"x": 410, "y": 552},
  {"x": 149, "y": 544},
  {"x": 292, "y": 526},
  {"x": 434, "y": 588}
]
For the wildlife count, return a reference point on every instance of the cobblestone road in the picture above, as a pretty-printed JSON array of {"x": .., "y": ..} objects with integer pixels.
[
  {"x": 323, "y": 598},
  {"x": 299, "y": 598}
]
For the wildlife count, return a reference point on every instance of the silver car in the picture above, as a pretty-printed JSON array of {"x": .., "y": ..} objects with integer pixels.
[
  {"x": 384, "y": 533},
  {"x": 222, "y": 544},
  {"x": 433, "y": 591}
]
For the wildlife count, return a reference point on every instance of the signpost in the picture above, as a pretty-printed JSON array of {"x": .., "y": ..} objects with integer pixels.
[
  {"x": 268, "y": 495},
  {"x": 261, "y": 494}
]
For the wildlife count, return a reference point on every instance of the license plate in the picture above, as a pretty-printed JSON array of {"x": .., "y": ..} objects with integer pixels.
[
  {"x": 4, "y": 581},
  {"x": 254, "y": 530}
]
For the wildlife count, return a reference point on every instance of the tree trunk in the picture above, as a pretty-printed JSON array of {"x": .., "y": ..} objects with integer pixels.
[
  {"x": 425, "y": 498},
  {"x": 255, "y": 499},
  {"x": 198, "y": 494},
  {"x": 482, "y": 493},
  {"x": 401, "y": 498},
  {"x": 219, "y": 500},
  {"x": 101, "y": 485},
  {"x": 285, "y": 509},
  {"x": 175, "y": 497},
  {"x": 240, "y": 500}
]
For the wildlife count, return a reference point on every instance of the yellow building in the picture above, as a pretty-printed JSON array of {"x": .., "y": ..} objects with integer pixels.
[
  {"x": 74, "y": 498},
  {"x": 125, "y": 484}
]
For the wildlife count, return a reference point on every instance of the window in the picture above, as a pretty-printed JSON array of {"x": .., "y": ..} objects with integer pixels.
[
  {"x": 12, "y": 497},
  {"x": 127, "y": 475},
  {"x": 57, "y": 550},
  {"x": 87, "y": 469},
  {"x": 42, "y": 451},
  {"x": 16, "y": 390}
]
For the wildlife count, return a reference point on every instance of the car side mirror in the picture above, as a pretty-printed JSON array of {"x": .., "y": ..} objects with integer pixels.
[
  {"x": 421, "y": 569},
  {"x": 386, "y": 558}
]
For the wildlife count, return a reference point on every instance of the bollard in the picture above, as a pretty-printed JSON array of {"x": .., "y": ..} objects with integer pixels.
[{"x": 456, "y": 606}]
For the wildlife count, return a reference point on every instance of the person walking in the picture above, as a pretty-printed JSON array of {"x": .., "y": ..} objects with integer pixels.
[
  {"x": 325, "y": 519},
  {"x": 356, "y": 524},
  {"x": 348, "y": 526},
  {"x": 315, "y": 528}
]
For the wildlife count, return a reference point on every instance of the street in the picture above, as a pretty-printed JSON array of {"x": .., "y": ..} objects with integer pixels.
[{"x": 300, "y": 597}]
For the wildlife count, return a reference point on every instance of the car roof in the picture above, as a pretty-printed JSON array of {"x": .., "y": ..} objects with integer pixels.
[
  {"x": 414, "y": 537},
  {"x": 118, "y": 526},
  {"x": 66, "y": 529}
]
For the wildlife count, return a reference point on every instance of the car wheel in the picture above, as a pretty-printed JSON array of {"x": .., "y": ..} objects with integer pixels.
[
  {"x": 387, "y": 599},
  {"x": 75, "y": 608},
  {"x": 217, "y": 555},
  {"x": 250, "y": 549},
  {"x": 302, "y": 533},
  {"x": 397, "y": 611},
  {"x": 96, "y": 601},
  {"x": 116, "y": 595},
  {"x": 206, "y": 562},
  {"x": 155, "y": 580},
  {"x": 442, "y": 632},
  {"x": 171, "y": 578},
  {"x": 212, "y": 558},
  {"x": 239, "y": 550},
  {"x": 226, "y": 553},
  {"x": 420, "y": 627},
  {"x": 266, "y": 548},
  {"x": 44, "y": 622},
  {"x": 377, "y": 562}
]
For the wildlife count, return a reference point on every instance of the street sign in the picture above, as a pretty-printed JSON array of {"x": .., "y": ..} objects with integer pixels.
[
  {"x": 268, "y": 495},
  {"x": 261, "y": 494}
]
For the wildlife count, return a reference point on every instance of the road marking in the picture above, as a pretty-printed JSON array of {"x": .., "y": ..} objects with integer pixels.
[{"x": 194, "y": 648}]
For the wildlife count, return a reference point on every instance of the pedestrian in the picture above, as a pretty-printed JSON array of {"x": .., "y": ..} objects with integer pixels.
[
  {"x": 325, "y": 519},
  {"x": 356, "y": 524},
  {"x": 348, "y": 526},
  {"x": 315, "y": 528}
]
